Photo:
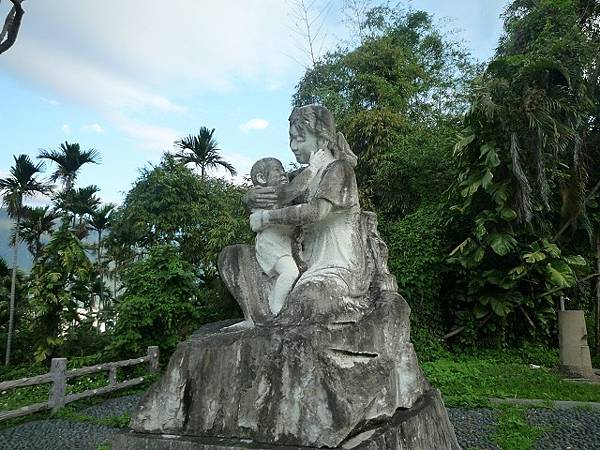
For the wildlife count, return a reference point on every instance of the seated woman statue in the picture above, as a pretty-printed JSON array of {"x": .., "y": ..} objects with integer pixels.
[{"x": 334, "y": 248}]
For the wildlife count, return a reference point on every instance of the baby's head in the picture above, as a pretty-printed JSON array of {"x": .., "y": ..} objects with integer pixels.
[{"x": 268, "y": 172}]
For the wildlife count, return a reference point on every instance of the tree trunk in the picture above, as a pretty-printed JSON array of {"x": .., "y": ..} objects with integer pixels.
[
  {"x": 11, "y": 26},
  {"x": 202, "y": 171},
  {"x": 598, "y": 293},
  {"x": 13, "y": 289},
  {"x": 100, "y": 270}
]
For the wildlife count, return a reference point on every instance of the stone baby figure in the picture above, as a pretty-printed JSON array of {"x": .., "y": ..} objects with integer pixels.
[{"x": 274, "y": 243}]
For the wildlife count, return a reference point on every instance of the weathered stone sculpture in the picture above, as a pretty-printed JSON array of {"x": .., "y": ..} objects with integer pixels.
[{"x": 322, "y": 361}]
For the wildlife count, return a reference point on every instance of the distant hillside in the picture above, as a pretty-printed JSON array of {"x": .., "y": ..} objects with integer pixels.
[
  {"x": 25, "y": 259},
  {"x": 6, "y": 251}
]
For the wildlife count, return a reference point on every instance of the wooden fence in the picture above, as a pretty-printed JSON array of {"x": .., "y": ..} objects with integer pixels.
[{"x": 59, "y": 375}]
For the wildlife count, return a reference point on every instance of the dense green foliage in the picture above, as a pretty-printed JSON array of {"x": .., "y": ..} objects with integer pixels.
[
  {"x": 166, "y": 237},
  {"x": 526, "y": 163},
  {"x": 160, "y": 305},
  {"x": 397, "y": 98},
  {"x": 145, "y": 276},
  {"x": 489, "y": 218},
  {"x": 169, "y": 204},
  {"x": 61, "y": 283}
]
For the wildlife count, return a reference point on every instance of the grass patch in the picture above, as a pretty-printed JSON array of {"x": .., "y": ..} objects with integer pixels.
[
  {"x": 514, "y": 432},
  {"x": 22, "y": 397},
  {"x": 72, "y": 414},
  {"x": 469, "y": 381}
]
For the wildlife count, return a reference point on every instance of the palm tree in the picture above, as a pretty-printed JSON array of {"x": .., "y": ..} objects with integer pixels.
[
  {"x": 4, "y": 287},
  {"x": 69, "y": 159},
  {"x": 21, "y": 183},
  {"x": 34, "y": 224},
  {"x": 100, "y": 222},
  {"x": 79, "y": 202},
  {"x": 202, "y": 151}
]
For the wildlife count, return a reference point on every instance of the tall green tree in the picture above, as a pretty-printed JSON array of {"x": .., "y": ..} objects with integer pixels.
[
  {"x": 397, "y": 97},
  {"x": 69, "y": 158},
  {"x": 169, "y": 204},
  {"x": 5, "y": 280},
  {"x": 164, "y": 242},
  {"x": 60, "y": 289},
  {"x": 100, "y": 222},
  {"x": 37, "y": 222},
  {"x": 529, "y": 142},
  {"x": 77, "y": 205},
  {"x": 22, "y": 183},
  {"x": 202, "y": 150},
  {"x": 161, "y": 304}
]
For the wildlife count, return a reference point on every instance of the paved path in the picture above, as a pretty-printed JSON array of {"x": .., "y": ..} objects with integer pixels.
[{"x": 575, "y": 428}]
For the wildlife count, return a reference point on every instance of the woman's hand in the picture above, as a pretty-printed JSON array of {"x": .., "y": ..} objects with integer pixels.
[
  {"x": 257, "y": 221},
  {"x": 261, "y": 197}
]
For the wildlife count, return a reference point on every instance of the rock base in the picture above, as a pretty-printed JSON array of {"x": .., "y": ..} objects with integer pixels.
[
  {"x": 425, "y": 426},
  {"x": 312, "y": 385}
]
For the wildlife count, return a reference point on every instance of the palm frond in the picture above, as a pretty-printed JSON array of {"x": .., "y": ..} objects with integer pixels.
[
  {"x": 69, "y": 159},
  {"x": 202, "y": 150}
]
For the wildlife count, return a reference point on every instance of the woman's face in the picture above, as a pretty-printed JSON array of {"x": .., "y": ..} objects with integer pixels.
[{"x": 302, "y": 142}]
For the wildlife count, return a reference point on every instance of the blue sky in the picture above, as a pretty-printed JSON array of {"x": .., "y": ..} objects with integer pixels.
[{"x": 130, "y": 77}]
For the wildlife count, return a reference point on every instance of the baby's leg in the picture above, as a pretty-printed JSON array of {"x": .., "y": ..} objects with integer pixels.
[{"x": 287, "y": 271}]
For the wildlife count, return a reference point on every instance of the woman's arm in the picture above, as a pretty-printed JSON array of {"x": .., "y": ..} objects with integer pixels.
[
  {"x": 302, "y": 214},
  {"x": 260, "y": 197}
]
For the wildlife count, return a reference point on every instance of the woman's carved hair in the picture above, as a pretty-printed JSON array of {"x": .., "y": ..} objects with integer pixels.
[{"x": 317, "y": 119}]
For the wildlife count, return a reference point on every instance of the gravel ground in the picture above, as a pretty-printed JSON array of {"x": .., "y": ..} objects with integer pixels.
[
  {"x": 474, "y": 427},
  {"x": 53, "y": 435},
  {"x": 112, "y": 407},
  {"x": 575, "y": 429}
]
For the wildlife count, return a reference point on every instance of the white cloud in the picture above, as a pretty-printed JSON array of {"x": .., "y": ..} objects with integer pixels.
[
  {"x": 66, "y": 129},
  {"x": 50, "y": 101},
  {"x": 254, "y": 124},
  {"x": 38, "y": 200},
  {"x": 151, "y": 137},
  {"x": 84, "y": 81},
  {"x": 242, "y": 165},
  {"x": 93, "y": 127},
  {"x": 128, "y": 61},
  {"x": 122, "y": 53}
]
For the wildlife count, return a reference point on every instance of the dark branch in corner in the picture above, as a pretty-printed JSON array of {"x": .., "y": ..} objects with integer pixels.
[{"x": 10, "y": 30}]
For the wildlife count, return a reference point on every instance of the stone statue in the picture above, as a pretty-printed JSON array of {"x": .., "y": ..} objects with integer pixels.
[
  {"x": 335, "y": 241},
  {"x": 323, "y": 356}
]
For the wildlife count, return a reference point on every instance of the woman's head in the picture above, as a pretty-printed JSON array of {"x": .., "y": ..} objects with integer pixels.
[{"x": 312, "y": 128}]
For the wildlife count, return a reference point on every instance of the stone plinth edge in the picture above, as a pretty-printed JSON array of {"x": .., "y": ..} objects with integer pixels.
[{"x": 425, "y": 426}]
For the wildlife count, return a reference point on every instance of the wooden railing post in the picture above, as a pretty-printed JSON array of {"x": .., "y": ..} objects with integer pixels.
[
  {"x": 58, "y": 369},
  {"x": 153, "y": 354},
  {"x": 112, "y": 376}
]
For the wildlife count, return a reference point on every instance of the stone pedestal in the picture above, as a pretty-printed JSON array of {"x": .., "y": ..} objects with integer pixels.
[
  {"x": 575, "y": 357},
  {"x": 319, "y": 385},
  {"x": 425, "y": 426}
]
